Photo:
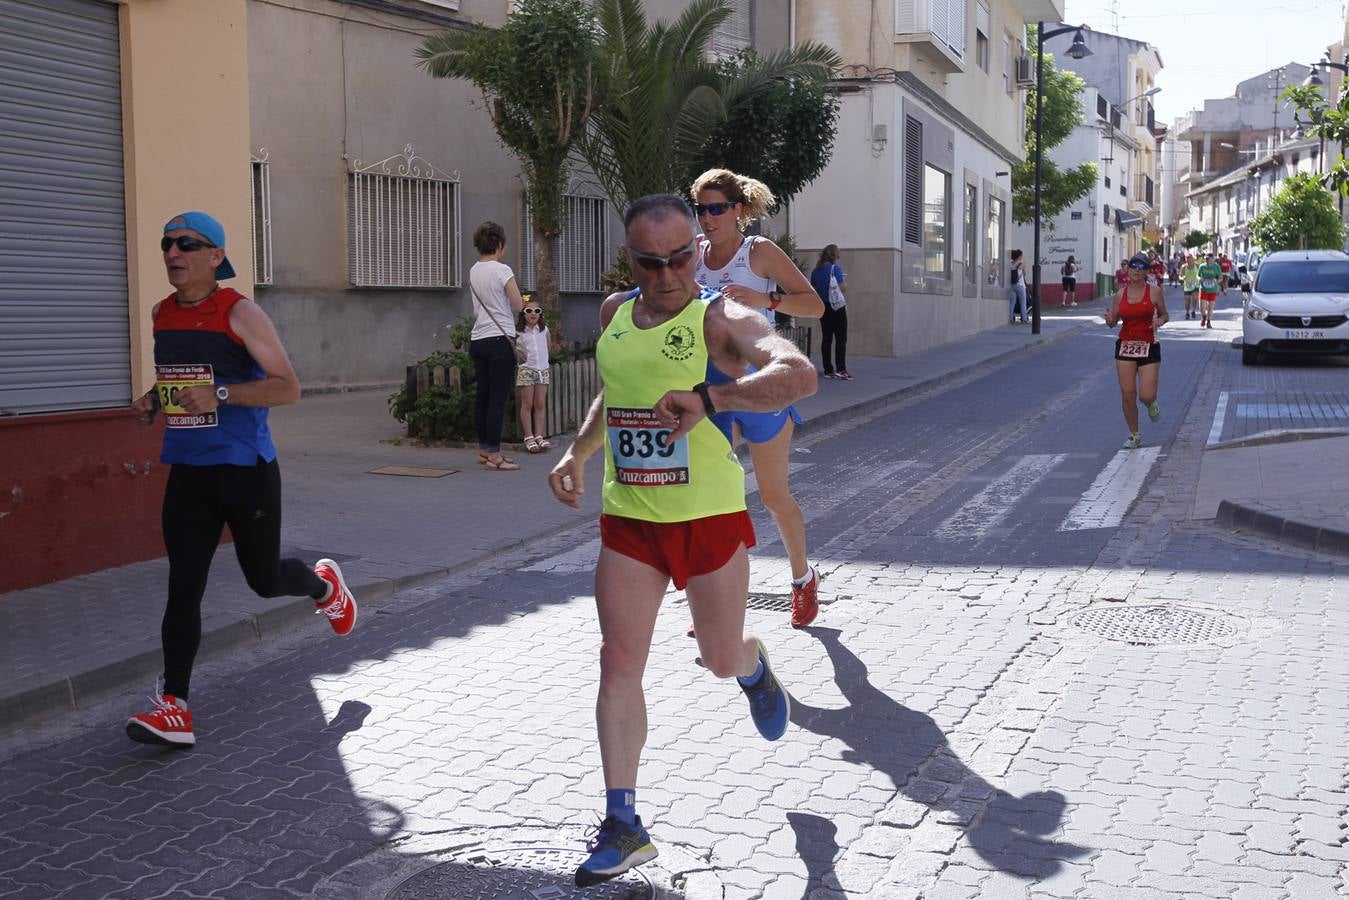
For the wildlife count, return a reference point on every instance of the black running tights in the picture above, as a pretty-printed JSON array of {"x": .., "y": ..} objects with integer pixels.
[{"x": 198, "y": 502}]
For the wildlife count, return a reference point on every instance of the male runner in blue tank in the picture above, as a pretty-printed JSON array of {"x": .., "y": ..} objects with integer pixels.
[
  {"x": 674, "y": 496},
  {"x": 219, "y": 366}
]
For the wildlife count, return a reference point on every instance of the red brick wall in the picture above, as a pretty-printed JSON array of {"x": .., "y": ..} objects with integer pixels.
[{"x": 78, "y": 492}]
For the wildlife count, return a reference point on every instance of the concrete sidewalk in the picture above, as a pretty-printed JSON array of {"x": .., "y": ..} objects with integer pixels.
[{"x": 66, "y": 645}]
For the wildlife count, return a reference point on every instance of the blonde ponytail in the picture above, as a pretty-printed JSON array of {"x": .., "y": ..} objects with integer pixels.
[{"x": 754, "y": 197}]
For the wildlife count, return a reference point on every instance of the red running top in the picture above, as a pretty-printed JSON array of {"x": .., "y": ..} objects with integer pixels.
[{"x": 1138, "y": 317}]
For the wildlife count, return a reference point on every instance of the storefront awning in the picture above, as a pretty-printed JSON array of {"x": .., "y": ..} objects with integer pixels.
[{"x": 1125, "y": 219}]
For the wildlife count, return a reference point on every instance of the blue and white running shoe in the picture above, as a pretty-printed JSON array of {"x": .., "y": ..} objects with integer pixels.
[
  {"x": 616, "y": 848},
  {"x": 768, "y": 703}
]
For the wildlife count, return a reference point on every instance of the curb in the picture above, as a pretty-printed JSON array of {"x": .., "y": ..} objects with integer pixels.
[
  {"x": 37, "y": 698},
  {"x": 1240, "y": 517},
  {"x": 833, "y": 417}
]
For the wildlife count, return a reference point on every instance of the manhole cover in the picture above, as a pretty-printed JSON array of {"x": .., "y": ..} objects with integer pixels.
[
  {"x": 516, "y": 873},
  {"x": 1157, "y": 625}
]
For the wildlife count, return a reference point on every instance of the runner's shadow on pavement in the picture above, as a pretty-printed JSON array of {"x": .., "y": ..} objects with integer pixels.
[
  {"x": 1013, "y": 834},
  {"x": 817, "y": 845}
]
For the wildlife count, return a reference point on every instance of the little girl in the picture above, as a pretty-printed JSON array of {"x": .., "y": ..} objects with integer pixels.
[{"x": 531, "y": 376}]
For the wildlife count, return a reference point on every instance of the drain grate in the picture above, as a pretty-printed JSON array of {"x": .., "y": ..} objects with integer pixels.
[
  {"x": 526, "y": 873},
  {"x": 770, "y": 602},
  {"x": 1158, "y": 625}
]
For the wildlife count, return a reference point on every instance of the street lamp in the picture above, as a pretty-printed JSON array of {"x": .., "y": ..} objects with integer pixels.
[
  {"x": 1314, "y": 80},
  {"x": 1078, "y": 50}
]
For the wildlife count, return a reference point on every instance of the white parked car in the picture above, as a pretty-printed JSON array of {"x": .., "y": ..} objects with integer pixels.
[{"x": 1299, "y": 303}]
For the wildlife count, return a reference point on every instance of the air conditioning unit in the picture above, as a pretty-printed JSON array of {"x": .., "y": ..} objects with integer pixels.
[{"x": 1025, "y": 71}]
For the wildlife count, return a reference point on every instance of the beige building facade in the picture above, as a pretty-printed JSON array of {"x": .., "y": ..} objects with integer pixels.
[{"x": 918, "y": 193}]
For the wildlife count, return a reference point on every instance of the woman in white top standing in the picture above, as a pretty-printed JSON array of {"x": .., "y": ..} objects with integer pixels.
[
  {"x": 755, "y": 272},
  {"x": 531, "y": 378},
  {"x": 496, "y": 300}
]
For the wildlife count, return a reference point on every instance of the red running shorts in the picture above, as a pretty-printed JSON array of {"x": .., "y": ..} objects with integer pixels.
[{"x": 681, "y": 550}]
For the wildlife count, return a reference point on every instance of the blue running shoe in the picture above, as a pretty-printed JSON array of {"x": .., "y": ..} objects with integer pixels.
[
  {"x": 768, "y": 703},
  {"x": 616, "y": 848}
]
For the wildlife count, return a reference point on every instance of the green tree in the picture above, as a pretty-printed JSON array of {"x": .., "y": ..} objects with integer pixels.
[
  {"x": 1325, "y": 121},
  {"x": 1197, "y": 238},
  {"x": 1059, "y": 188},
  {"x": 664, "y": 98},
  {"x": 537, "y": 74},
  {"x": 1300, "y": 216},
  {"x": 782, "y": 135}
]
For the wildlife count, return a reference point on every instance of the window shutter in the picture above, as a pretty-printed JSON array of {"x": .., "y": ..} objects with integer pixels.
[
  {"x": 734, "y": 34},
  {"x": 906, "y": 16},
  {"x": 955, "y": 32},
  {"x": 913, "y": 180},
  {"x": 981, "y": 18}
]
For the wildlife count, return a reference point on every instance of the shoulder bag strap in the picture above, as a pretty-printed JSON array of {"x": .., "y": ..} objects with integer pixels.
[{"x": 486, "y": 309}]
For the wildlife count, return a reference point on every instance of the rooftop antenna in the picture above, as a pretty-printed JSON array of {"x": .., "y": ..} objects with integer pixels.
[{"x": 1114, "y": 16}]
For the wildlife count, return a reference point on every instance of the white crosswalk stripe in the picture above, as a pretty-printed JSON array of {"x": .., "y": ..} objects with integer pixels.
[
  {"x": 988, "y": 509},
  {"x": 1106, "y": 502}
]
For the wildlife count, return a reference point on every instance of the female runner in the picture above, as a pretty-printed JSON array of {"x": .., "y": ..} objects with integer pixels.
[
  {"x": 754, "y": 271},
  {"x": 1138, "y": 355}
]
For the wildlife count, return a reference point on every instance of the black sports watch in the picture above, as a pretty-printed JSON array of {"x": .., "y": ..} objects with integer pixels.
[
  {"x": 222, "y": 394},
  {"x": 701, "y": 389}
]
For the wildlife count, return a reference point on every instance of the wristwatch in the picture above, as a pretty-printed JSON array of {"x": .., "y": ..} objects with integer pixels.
[
  {"x": 222, "y": 393},
  {"x": 701, "y": 389},
  {"x": 774, "y": 298}
]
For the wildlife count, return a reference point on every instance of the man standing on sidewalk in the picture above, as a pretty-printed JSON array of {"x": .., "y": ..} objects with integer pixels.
[
  {"x": 219, "y": 366},
  {"x": 673, "y": 496}
]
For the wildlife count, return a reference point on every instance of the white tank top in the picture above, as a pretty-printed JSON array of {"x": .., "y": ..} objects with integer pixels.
[{"x": 737, "y": 271}]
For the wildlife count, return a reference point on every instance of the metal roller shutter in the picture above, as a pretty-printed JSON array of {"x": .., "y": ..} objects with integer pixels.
[{"x": 64, "y": 331}]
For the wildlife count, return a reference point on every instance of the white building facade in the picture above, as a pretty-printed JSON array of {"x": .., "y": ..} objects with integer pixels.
[{"x": 918, "y": 193}]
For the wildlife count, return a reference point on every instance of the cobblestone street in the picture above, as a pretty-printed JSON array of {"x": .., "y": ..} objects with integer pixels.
[{"x": 1038, "y": 674}]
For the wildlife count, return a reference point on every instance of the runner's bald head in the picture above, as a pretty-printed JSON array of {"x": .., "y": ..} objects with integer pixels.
[{"x": 659, "y": 206}]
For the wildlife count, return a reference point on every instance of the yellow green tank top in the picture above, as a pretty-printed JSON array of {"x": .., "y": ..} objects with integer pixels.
[{"x": 645, "y": 475}]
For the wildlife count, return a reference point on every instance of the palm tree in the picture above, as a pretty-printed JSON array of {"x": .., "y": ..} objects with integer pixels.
[
  {"x": 537, "y": 76},
  {"x": 664, "y": 97}
]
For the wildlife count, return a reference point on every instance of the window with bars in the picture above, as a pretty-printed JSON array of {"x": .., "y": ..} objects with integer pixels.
[
  {"x": 913, "y": 180},
  {"x": 971, "y": 233},
  {"x": 736, "y": 33},
  {"x": 261, "y": 217},
  {"x": 995, "y": 241},
  {"x": 403, "y": 224},
  {"x": 936, "y": 221},
  {"x": 580, "y": 253}
]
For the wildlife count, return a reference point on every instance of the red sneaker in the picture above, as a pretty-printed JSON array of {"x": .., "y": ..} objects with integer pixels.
[
  {"x": 341, "y": 606},
  {"x": 806, "y": 601},
  {"x": 169, "y": 724}
]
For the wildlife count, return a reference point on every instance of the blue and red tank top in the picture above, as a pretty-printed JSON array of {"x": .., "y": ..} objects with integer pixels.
[{"x": 195, "y": 345}]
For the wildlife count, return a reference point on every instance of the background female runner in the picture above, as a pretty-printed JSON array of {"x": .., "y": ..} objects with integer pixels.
[
  {"x": 1138, "y": 355},
  {"x": 754, "y": 271}
]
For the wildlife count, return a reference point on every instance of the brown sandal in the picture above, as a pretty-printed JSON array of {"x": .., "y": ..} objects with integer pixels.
[{"x": 501, "y": 465}]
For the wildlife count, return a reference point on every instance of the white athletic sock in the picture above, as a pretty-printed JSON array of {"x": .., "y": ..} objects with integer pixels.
[{"x": 804, "y": 579}]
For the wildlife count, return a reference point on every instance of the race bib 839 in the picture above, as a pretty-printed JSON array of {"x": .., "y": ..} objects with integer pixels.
[{"x": 644, "y": 455}]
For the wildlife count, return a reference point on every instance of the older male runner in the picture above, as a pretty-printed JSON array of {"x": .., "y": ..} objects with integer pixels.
[
  {"x": 219, "y": 366},
  {"x": 674, "y": 495}
]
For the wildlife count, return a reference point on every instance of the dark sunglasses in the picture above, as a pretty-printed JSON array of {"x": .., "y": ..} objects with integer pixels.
[
  {"x": 654, "y": 263},
  {"x": 185, "y": 244},
  {"x": 711, "y": 209},
  {"x": 1138, "y": 265},
  {"x": 532, "y": 310}
]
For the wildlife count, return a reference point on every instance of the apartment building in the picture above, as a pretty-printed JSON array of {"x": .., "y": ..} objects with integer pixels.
[
  {"x": 1123, "y": 71},
  {"x": 917, "y": 195}
]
